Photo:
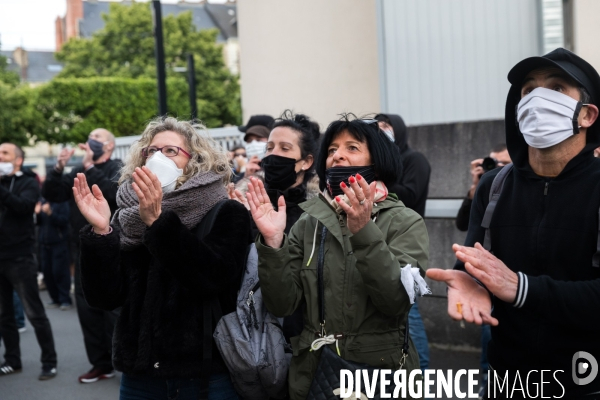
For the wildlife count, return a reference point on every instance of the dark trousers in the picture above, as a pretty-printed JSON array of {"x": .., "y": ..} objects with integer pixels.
[
  {"x": 19, "y": 314},
  {"x": 55, "y": 266},
  {"x": 97, "y": 326},
  {"x": 20, "y": 274},
  {"x": 142, "y": 387}
]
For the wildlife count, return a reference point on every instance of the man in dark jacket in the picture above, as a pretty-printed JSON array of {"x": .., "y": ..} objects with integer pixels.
[
  {"x": 413, "y": 182},
  {"x": 97, "y": 325},
  {"x": 19, "y": 191},
  {"x": 542, "y": 275},
  {"x": 53, "y": 238},
  {"x": 411, "y": 189}
]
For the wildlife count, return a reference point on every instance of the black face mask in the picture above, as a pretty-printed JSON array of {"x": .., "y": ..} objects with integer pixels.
[
  {"x": 280, "y": 172},
  {"x": 334, "y": 176},
  {"x": 97, "y": 147}
]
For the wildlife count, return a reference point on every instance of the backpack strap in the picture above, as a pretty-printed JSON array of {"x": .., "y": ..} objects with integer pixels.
[
  {"x": 495, "y": 192},
  {"x": 321, "y": 286}
]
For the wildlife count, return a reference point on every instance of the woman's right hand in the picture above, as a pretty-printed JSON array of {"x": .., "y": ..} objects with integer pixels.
[
  {"x": 269, "y": 222},
  {"x": 92, "y": 204}
]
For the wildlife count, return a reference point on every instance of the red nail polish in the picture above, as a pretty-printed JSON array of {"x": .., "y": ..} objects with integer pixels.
[
  {"x": 352, "y": 180},
  {"x": 337, "y": 198},
  {"x": 358, "y": 177},
  {"x": 343, "y": 185}
]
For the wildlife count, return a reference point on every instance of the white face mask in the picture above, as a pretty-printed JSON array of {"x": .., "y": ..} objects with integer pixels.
[
  {"x": 165, "y": 170},
  {"x": 390, "y": 134},
  {"x": 547, "y": 117},
  {"x": 256, "y": 148},
  {"x": 6, "y": 168}
]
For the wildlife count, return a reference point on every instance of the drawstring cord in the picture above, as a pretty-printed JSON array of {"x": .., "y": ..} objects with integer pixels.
[{"x": 322, "y": 341}]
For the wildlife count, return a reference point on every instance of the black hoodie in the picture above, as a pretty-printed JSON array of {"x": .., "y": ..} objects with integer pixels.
[
  {"x": 18, "y": 195},
  {"x": 546, "y": 230},
  {"x": 413, "y": 182}
]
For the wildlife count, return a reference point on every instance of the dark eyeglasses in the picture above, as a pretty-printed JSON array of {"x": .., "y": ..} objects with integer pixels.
[{"x": 169, "y": 151}]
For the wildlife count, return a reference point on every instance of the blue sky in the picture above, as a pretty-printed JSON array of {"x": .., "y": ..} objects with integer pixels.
[{"x": 30, "y": 23}]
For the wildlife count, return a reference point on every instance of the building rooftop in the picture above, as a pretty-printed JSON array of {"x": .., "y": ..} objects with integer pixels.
[
  {"x": 225, "y": 17},
  {"x": 204, "y": 16},
  {"x": 41, "y": 65}
]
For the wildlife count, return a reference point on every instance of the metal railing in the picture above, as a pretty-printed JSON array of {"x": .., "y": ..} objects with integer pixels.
[
  {"x": 228, "y": 137},
  {"x": 225, "y": 137}
]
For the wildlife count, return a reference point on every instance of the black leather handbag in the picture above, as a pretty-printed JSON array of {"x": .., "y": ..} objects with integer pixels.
[{"x": 326, "y": 381}]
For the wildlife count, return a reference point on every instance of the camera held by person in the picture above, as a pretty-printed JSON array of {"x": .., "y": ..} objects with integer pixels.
[
  {"x": 498, "y": 157},
  {"x": 488, "y": 164}
]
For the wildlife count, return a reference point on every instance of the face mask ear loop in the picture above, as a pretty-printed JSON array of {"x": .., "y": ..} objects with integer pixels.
[
  {"x": 575, "y": 116},
  {"x": 517, "y": 115}
]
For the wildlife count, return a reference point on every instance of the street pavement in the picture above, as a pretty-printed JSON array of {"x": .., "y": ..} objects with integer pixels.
[{"x": 72, "y": 362}]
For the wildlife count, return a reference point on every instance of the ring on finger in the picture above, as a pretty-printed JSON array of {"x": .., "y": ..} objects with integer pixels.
[{"x": 362, "y": 201}]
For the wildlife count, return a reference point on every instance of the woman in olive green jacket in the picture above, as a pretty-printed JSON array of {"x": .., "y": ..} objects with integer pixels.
[{"x": 370, "y": 236}]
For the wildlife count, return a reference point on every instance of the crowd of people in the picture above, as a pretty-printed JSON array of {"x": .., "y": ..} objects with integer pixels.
[{"x": 335, "y": 219}]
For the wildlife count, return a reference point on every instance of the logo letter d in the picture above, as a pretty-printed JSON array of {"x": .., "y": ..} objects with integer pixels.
[{"x": 591, "y": 362}]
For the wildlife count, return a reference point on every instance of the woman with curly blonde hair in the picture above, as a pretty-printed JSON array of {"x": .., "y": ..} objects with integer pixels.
[{"x": 150, "y": 261}]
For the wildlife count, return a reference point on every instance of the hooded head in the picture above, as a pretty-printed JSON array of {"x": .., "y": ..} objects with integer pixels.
[
  {"x": 574, "y": 69},
  {"x": 397, "y": 123},
  {"x": 261, "y": 119}
]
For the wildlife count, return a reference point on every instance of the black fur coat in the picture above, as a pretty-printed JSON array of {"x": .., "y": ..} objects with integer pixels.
[{"x": 161, "y": 287}]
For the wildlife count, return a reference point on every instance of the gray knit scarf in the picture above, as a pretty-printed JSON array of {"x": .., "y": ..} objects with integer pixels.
[{"x": 191, "y": 201}]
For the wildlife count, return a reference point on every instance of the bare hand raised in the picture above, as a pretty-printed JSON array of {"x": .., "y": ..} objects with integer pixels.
[
  {"x": 236, "y": 195},
  {"x": 252, "y": 166},
  {"x": 88, "y": 158},
  {"x": 489, "y": 270},
  {"x": 361, "y": 196},
  {"x": 475, "y": 302},
  {"x": 92, "y": 204},
  {"x": 269, "y": 222},
  {"x": 147, "y": 187},
  {"x": 64, "y": 157},
  {"x": 476, "y": 172}
]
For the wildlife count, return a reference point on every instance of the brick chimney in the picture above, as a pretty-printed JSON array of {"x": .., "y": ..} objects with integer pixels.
[
  {"x": 20, "y": 57},
  {"x": 59, "y": 32},
  {"x": 74, "y": 14}
]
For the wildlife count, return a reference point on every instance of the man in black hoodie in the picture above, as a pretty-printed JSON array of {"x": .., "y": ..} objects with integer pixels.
[
  {"x": 97, "y": 325},
  {"x": 19, "y": 192},
  {"x": 542, "y": 276},
  {"x": 413, "y": 181},
  {"x": 411, "y": 188}
]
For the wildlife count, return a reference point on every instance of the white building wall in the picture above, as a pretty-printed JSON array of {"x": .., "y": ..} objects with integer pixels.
[
  {"x": 313, "y": 56},
  {"x": 586, "y": 30},
  {"x": 447, "y": 61}
]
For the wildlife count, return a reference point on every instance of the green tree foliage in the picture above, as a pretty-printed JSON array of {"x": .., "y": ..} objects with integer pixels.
[
  {"x": 124, "y": 48},
  {"x": 74, "y": 107},
  {"x": 18, "y": 118},
  {"x": 8, "y": 77}
]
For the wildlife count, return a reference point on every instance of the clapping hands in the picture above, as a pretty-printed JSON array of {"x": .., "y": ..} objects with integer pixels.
[
  {"x": 269, "y": 222},
  {"x": 92, "y": 204}
]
